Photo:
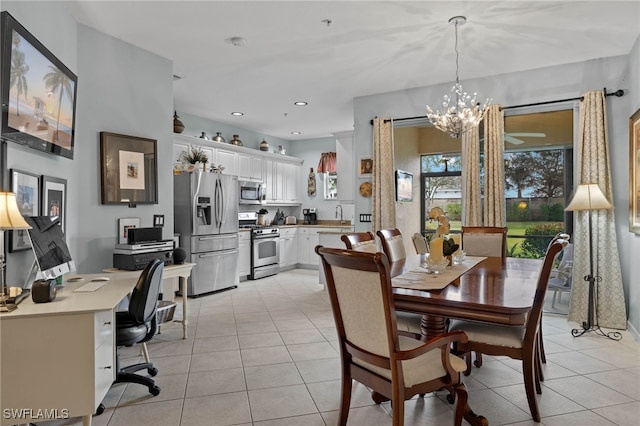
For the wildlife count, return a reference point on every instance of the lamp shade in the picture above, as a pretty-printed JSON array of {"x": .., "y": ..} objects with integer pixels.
[
  {"x": 588, "y": 196},
  {"x": 10, "y": 217}
]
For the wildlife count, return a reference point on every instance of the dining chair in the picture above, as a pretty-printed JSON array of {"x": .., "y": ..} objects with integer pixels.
[
  {"x": 488, "y": 241},
  {"x": 392, "y": 244},
  {"x": 516, "y": 342},
  {"x": 420, "y": 243},
  {"x": 393, "y": 247},
  {"x": 408, "y": 323},
  {"x": 360, "y": 241},
  {"x": 372, "y": 351}
]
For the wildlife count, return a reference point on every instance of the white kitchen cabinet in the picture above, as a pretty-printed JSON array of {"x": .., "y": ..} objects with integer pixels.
[
  {"x": 256, "y": 168},
  {"x": 307, "y": 242},
  {"x": 291, "y": 182},
  {"x": 228, "y": 159},
  {"x": 244, "y": 254},
  {"x": 331, "y": 238},
  {"x": 288, "y": 247},
  {"x": 244, "y": 166},
  {"x": 269, "y": 180}
]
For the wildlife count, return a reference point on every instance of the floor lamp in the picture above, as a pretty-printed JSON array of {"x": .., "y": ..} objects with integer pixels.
[
  {"x": 589, "y": 197},
  {"x": 10, "y": 219}
]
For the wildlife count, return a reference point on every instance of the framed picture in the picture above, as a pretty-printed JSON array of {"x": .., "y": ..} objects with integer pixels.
[
  {"x": 365, "y": 166},
  {"x": 129, "y": 169},
  {"x": 404, "y": 186},
  {"x": 634, "y": 173},
  {"x": 124, "y": 224},
  {"x": 26, "y": 186},
  {"x": 54, "y": 198}
]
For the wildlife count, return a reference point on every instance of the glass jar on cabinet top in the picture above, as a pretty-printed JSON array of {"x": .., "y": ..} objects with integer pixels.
[
  {"x": 236, "y": 141},
  {"x": 218, "y": 138}
]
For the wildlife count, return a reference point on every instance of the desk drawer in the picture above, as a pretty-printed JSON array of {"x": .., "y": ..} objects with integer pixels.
[
  {"x": 104, "y": 323},
  {"x": 105, "y": 371}
]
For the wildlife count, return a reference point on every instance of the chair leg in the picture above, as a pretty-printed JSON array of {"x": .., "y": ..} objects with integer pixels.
[
  {"x": 528, "y": 370},
  {"x": 540, "y": 342},
  {"x": 478, "y": 361},
  {"x": 345, "y": 400},
  {"x": 463, "y": 410},
  {"x": 467, "y": 359}
]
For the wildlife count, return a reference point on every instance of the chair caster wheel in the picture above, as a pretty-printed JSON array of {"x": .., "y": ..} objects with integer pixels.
[
  {"x": 155, "y": 391},
  {"x": 100, "y": 409},
  {"x": 152, "y": 371}
]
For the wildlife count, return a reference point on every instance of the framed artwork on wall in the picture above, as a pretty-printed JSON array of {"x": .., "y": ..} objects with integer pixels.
[
  {"x": 54, "y": 198},
  {"x": 365, "y": 166},
  {"x": 634, "y": 173},
  {"x": 404, "y": 186},
  {"x": 26, "y": 186},
  {"x": 129, "y": 169}
]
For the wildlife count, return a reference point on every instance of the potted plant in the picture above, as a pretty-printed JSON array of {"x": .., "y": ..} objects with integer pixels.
[
  {"x": 449, "y": 247},
  {"x": 195, "y": 155}
]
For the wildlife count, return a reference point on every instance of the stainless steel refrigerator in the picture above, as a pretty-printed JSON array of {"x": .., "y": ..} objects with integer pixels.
[{"x": 206, "y": 217}]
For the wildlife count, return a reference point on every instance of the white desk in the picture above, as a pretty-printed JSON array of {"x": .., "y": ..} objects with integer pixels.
[
  {"x": 60, "y": 356},
  {"x": 182, "y": 271}
]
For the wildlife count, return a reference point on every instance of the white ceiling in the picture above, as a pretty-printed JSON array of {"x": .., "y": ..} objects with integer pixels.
[{"x": 370, "y": 47}]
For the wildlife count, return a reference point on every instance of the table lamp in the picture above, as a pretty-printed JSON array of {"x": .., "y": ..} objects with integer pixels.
[
  {"x": 10, "y": 219},
  {"x": 589, "y": 197}
]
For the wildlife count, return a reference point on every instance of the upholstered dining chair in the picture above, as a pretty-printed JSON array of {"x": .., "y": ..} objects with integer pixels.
[
  {"x": 420, "y": 243},
  {"x": 360, "y": 241},
  {"x": 392, "y": 244},
  {"x": 489, "y": 241},
  {"x": 517, "y": 342},
  {"x": 372, "y": 352},
  {"x": 408, "y": 323}
]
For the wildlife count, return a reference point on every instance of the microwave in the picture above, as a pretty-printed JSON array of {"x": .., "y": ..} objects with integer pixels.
[{"x": 251, "y": 192}]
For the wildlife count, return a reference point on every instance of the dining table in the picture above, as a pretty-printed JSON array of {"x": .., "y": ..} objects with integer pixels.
[{"x": 487, "y": 289}]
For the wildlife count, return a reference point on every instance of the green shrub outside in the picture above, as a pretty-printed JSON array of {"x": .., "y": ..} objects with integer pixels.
[
  {"x": 454, "y": 211},
  {"x": 536, "y": 247}
]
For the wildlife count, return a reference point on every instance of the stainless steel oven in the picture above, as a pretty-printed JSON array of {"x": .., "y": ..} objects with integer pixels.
[{"x": 265, "y": 252}]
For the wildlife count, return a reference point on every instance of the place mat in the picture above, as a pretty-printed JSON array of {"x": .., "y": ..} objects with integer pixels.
[{"x": 421, "y": 279}]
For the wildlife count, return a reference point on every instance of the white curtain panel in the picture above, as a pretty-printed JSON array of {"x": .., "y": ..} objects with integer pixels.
[
  {"x": 471, "y": 185},
  {"x": 383, "y": 207},
  {"x": 494, "y": 199},
  {"x": 594, "y": 167}
]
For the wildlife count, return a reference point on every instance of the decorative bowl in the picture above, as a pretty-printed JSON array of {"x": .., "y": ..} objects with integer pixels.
[{"x": 436, "y": 266}]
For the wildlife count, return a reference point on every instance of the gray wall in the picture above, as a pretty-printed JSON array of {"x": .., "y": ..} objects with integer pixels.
[
  {"x": 121, "y": 89},
  {"x": 559, "y": 82}
]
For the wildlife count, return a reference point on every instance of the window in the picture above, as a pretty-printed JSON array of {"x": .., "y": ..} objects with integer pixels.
[
  {"x": 538, "y": 180},
  {"x": 330, "y": 186}
]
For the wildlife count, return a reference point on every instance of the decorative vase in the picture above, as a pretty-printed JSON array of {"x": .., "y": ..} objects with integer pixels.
[
  {"x": 264, "y": 145},
  {"x": 218, "y": 138},
  {"x": 178, "y": 126},
  {"x": 282, "y": 150},
  {"x": 236, "y": 141},
  {"x": 204, "y": 136}
]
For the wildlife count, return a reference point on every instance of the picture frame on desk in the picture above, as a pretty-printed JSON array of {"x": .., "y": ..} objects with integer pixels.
[
  {"x": 26, "y": 186},
  {"x": 124, "y": 224},
  {"x": 54, "y": 198},
  {"x": 129, "y": 169}
]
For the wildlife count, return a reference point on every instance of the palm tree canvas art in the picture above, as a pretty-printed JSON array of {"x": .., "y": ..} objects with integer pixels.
[{"x": 41, "y": 96}]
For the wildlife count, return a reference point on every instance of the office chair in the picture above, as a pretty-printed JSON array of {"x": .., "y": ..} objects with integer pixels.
[{"x": 138, "y": 324}]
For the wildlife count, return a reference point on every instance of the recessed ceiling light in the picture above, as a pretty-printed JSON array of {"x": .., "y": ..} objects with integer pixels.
[
  {"x": 237, "y": 113},
  {"x": 296, "y": 133},
  {"x": 300, "y": 103}
]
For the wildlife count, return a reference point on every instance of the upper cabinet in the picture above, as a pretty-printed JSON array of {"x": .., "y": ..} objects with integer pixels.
[{"x": 279, "y": 173}]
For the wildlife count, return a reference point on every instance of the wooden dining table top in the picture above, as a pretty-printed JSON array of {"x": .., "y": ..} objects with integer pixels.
[{"x": 489, "y": 291}]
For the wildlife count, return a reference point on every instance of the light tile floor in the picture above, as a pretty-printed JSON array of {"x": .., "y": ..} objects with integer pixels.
[{"x": 265, "y": 354}]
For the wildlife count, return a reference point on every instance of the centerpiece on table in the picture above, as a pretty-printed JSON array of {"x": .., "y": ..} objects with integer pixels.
[{"x": 443, "y": 244}]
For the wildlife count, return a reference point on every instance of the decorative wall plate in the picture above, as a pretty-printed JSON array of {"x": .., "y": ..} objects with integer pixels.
[{"x": 365, "y": 189}]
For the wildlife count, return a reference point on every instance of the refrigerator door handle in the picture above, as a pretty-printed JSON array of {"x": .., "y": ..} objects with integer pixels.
[
  {"x": 218, "y": 204},
  {"x": 194, "y": 207},
  {"x": 218, "y": 253}
]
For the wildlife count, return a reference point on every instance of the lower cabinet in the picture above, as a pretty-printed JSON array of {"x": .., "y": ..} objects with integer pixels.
[
  {"x": 244, "y": 254},
  {"x": 288, "y": 247}
]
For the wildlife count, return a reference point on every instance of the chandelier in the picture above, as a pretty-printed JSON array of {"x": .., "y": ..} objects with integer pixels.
[{"x": 460, "y": 111}]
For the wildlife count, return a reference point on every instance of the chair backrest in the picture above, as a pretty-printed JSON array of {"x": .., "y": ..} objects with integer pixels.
[
  {"x": 420, "y": 243},
  {"x": 392, "y": 244},
  {"x": 360, "y": 290},
  {"x": 144, "y": 298},
  {"x": 360, "y": 241},
  {"x": 533, "y": 319},
  {"x": 489, "y": 241}
]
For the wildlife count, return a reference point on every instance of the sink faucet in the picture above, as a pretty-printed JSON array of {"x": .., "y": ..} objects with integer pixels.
[{"x": 341, "y": 220}]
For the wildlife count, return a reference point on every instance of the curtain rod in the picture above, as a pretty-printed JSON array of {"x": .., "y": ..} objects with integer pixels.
[{"x": 618, "y": 93}]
